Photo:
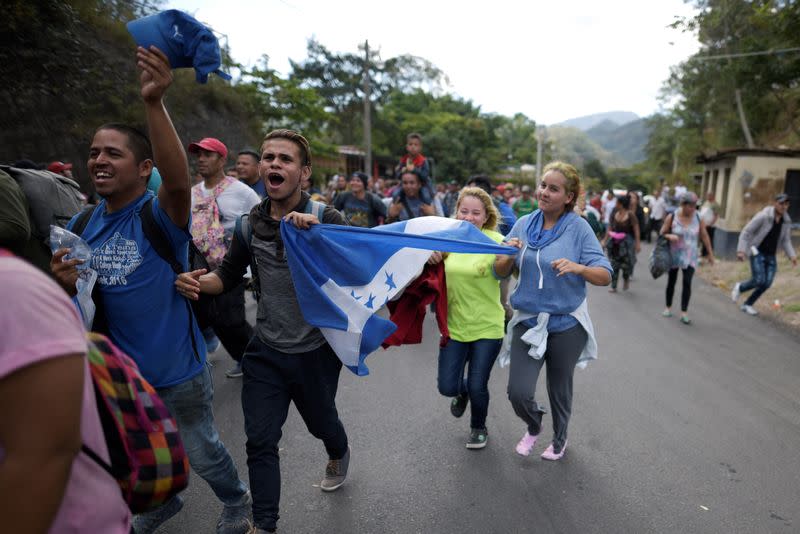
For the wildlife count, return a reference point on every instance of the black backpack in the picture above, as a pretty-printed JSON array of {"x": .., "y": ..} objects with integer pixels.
[
  {"x": 202, "y": 310},
  {"x": 52, "y": 199}
]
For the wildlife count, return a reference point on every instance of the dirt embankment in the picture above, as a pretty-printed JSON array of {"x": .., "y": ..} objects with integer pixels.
[{"x": 781, "y": 303}]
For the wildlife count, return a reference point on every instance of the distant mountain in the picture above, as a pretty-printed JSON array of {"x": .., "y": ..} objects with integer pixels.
[
  {"x": 589, "y": 121},
  {"x": 573, "y": 145},
  {"x": 626, "y": 141}
]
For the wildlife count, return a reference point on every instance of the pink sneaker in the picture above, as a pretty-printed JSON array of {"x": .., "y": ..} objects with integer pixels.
[
  {"x": 548, "y": 453},
  {"x": 526, "y": 444}
]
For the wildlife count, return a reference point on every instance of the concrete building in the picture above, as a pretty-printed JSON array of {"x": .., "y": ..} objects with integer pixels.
[{"x": 744, "y": 180}]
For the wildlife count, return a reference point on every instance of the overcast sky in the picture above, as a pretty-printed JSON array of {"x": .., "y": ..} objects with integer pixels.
[{"x": 550, "y": 60}]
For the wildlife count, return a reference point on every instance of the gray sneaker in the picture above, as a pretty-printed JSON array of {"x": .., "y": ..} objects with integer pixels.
[
  {"x": 749, "y": 310},
  {"x": 235, "y": 371},
  {"x": 335, "y": 473},
  {"x": 478, "y": 437},
  {"x": 148, "y": 522},
  {"x": 236, "y": 519},
  {"x": 736, "y": 292}
]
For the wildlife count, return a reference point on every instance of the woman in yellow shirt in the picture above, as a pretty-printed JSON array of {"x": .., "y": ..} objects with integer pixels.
[{"x": 475, "y": 318}]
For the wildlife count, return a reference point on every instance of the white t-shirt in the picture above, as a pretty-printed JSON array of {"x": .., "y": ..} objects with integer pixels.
[
  {"x": 659, "y": 209},
  {"x": 608, "y": 207},
  {"x": 237, "y": 199}
]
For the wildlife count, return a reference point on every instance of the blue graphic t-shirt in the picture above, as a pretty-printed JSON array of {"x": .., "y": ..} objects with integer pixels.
[{"x": 147, "y": 318}]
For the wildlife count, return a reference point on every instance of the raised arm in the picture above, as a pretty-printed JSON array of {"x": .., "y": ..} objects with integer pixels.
[{"x": 174, "y": 195}]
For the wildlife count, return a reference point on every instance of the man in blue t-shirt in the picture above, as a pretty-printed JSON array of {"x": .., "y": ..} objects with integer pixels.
[{"x": 142, "y": 312}]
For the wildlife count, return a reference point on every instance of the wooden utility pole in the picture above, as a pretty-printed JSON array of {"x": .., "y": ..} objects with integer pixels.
[
  {"x": 743, "y": 119},
  {"x": 367, "y": 115},
  {"x": 540, "y": 136}
]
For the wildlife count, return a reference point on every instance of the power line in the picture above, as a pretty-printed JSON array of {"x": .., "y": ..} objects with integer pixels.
[{"x": 747, "y": 54}]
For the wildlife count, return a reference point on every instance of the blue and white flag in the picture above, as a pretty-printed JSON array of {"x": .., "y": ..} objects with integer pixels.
[{"x": 344, "y": 274}]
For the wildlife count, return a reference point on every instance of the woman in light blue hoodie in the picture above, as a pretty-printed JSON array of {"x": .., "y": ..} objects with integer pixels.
[{"x": 551, "y": 324}]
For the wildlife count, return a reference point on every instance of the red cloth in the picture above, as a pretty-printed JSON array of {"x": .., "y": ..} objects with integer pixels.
[
  {"x": 419, "y": 160},
  {"x": 408, "y": 312}
]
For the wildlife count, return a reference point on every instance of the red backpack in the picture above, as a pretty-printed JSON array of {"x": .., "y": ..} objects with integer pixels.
[{"x": 147, "y": 455}]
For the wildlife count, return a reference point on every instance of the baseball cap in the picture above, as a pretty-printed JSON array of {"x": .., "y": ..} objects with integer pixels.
[
  {"x": 526, "y": 189},
  {"x": 210, "y": 144},
  {"x": 59, "y": 166},
  {"x": 783, "y": 197},
  {"x": 185, "y": 41}
]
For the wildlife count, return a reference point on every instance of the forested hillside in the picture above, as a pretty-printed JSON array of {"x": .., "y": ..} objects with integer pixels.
[
  {"x": 750, "y": 52},
  {"x": 627, "y": 141}
]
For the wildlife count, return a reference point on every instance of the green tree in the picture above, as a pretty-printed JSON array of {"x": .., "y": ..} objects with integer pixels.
[
  {"x": 518, "y": 136},
  {"x": 461, "y": 140},
  {"x": 282, "y": 103},
  {"x": 705, "y": 89},
  {"x": 338, "y": 79}
]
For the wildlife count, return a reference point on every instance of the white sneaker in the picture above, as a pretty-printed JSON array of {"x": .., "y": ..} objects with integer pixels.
[
  {"x": 735, "y": 292},
  {"x": 749, "y": 310}
]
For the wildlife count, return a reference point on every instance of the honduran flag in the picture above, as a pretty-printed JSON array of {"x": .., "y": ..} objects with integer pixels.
[{"x": 344, "y": 274}]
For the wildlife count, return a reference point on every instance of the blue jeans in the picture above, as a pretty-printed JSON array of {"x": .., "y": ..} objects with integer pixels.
[
  {"x": 453, "y": 358},
  {"x": 191, "y": 404},
  {"x": 763, "y": 267}
]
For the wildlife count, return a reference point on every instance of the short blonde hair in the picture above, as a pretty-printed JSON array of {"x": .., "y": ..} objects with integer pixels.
[
  {"x": 572, "y": 180},
  {"x": 486, "y": 200}
]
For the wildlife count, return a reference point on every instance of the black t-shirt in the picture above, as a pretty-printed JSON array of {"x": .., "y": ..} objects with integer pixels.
[{"x": 769, "y": 246}]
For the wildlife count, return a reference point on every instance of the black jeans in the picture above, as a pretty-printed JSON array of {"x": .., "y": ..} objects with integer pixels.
[
  {"x": 230, "y": 324},
  {"x": 654, "y": 226},
  {"x": 686, "y": 293},
  {"x": 272, "y": 380},
  {"x": 710, "y": 230}
]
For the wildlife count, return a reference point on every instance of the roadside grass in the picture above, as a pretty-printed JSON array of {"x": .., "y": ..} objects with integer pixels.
[{"x": 780, "y": 303}]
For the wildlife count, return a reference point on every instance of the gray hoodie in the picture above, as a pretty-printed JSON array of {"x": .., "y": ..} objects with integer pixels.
[{"x": 759, "y": 226}]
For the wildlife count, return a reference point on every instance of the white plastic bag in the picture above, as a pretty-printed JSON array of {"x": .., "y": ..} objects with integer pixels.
[{"x": 78, "y": 249}]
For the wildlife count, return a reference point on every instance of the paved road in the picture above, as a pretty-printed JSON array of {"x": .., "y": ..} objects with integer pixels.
[{"x": 675, "y": 429}]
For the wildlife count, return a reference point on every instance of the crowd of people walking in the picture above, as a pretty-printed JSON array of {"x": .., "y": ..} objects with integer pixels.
[{"x": 173, "y": 264}]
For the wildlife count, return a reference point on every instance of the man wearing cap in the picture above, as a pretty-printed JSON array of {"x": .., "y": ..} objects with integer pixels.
[
  {"x": 769, "y": 230},
  {"x": 221, "y": 199},
  {"x": 143, "y": 314},
  {"x": 247, "y": 169},
  {"x": 524, "y": 204},
  {"x": 59, "y": 167},
  {"x": 361, "y": 207}
]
